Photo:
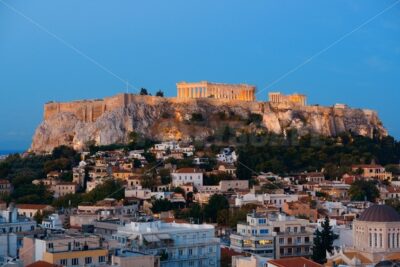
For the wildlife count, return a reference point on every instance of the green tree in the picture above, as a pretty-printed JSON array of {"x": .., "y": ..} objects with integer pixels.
[
  {"x": 148, "y": 181},
  {"x": 195, "y": 212},
  {"x": 254, "y": 118},
  {"x": 165, "y": 176},
  {"x": 160, "y": 93},
  {"x": 215, "y": 204},
  {"x": 143, "y": 91},
  {"x": 323, "y": 241},
  {"x": 109, "y": 189},
  {"x": 68, "y": 201},
  {"x": 226, "y": 134},
  {"x": 363, "y": 190},
  {"x": 179, "y": 190},
  {"x": 244, "y": 169},
  {"x": 160, "y": 205},
  {"x": 137, "y": 163},
  {"x": 196, "y": 117}
]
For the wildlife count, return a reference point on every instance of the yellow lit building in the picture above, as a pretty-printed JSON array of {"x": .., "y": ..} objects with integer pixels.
[{"x": 277, "y": 97}]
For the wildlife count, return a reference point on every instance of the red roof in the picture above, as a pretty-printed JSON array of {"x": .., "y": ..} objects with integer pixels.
[
  {"x": 294, "y": 262},
  {"x": 367, "y": 166},
  {"x": 4, "y": 181},
  {"x": 32, "y": 206},
  {"x": 42, "y": 264}
]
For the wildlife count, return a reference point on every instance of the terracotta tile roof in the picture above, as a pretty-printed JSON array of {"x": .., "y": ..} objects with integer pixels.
[
  {"x": 392, "y": 189},
  {"x": 42, "y": 264},
  {"x": 367, "y": 166},
  {"x": 294, "y": 262},
  {"x": 4, "y": 181},
  {"x": 32, "y": 206}
]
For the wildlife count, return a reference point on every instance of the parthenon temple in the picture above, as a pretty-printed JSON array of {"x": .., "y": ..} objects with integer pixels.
[{"x": 206, "y": 89}]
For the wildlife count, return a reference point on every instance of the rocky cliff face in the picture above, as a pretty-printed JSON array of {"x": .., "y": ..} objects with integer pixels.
[{"x": 171, "y": 119}]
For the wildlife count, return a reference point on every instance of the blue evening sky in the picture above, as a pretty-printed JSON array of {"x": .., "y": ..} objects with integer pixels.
[{"x": 155, "y": 44}]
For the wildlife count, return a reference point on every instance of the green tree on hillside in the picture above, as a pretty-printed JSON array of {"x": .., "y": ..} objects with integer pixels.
[
  {"x": 362, "y": 190},
  {"x": 216, "y": 204}
]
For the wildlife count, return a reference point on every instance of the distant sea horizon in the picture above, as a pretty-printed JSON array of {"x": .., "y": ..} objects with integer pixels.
[{"x": 10, "y": 151}]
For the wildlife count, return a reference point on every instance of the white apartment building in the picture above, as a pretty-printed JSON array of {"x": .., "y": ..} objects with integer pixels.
[
  {"x": 187, "y": 176},
  {"x": 276, "y": 200},
  {"x": 10, "y": 225},
  {"x": 53, "y": 221},
  {"x": 273, "y": 235},
  {"x": 178, "y": 245},
  {"x": 227, "y": 156}
]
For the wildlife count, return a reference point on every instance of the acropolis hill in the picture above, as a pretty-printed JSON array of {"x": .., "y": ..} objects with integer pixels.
[{"x": 110, "y": 120}]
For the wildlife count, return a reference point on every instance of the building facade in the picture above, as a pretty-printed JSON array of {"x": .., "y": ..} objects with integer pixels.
[
  {"x": 178, "y": 245},
  {"x": 11, "y": 228},
  {"x": 187, "y": 176},
  {"x": 273, "y": 235},
  {"x": 206, "y": 89},
  {"x": 376, "y": 236},
  {"x": 372, "y": 171},
  {"x": 64, "y": 249},
  {"x": 278, "y": 98}
]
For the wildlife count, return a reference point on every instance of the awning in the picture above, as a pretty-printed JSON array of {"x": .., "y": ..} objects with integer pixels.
[
  {"x": 151, "y": 238},
  {"x": 164, "y": 236}
]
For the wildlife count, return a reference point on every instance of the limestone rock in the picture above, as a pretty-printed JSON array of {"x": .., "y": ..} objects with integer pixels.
[{"x": 170, "y": 119}]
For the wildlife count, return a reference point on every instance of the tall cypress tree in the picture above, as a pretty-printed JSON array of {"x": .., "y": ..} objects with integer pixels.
[
  {"x": 323, "y": 242},
  {"x": 319, "y": 254}
]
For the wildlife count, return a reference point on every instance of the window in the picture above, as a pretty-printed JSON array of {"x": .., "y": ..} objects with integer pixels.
[
  {"x": 63, "y": 262},
  {"x": 263, "y": 231},
  {"x": 281, "y": 240},
  {"x": 299, "y": 240},
  {"x": 190, "y": 252},
  {"x": 102, "y": 259},
  {"x": 75, "y": 261},
  {"x": 50, "y": 245},
  {"x": 180, "y": 252},
  {"x": 88, "y": 260}
]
